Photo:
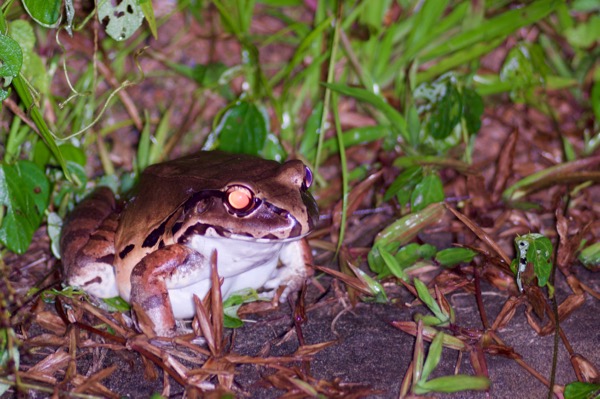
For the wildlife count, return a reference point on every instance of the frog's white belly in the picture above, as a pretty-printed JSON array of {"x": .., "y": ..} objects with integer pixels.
[{"x": 242, "y": 264}]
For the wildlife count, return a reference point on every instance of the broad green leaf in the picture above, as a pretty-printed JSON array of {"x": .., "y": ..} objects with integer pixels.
[
  {"x": 582, "y": 390},
  {"x": 11, "y": 60},
  {"x": 120, "y": 21},
  {"x": 453, "y": 256},
  {"x": 242, "y": 129},
  {"x": 45, "y": 13},
  {"x": 446, "y": 113},
  {"x": 534, "y": 249},
  {"x": 428, "y": 191},
  {"x": 24, "y": 192},
  {"x": 273, "y": 149}
]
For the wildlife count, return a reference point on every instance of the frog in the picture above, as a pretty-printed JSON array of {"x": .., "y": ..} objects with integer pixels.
[{"x": 155, "y": 250}]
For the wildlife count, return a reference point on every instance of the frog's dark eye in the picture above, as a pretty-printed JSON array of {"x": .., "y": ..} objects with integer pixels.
[
  {"x": 308, "y": 178},
  {"x": 239, "y": 199}
]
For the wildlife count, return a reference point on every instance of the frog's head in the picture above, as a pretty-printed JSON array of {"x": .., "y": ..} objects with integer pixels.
[{"x": 271, "y": 203}]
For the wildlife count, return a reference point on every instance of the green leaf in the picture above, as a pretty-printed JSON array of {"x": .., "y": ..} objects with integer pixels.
[
  {"x": 395, "y": 118},
  {"x": 11, "y": 61},
  {"x": 453, "y": 256},
  {"x": 433, "y": 356},
  {"x": 472, "y": 110},
  {"x": 582, "y": 390},
  {"x": 428, "y": 191},
  {"x": 403, "y": 185},
  {"x": 493, "y": 28},
  {"x": 406, "y": 228},
  {"x": 408, "y": 255},
  {"x": 242, "y": 129},
  {"x": 25, "y": 192},
  {"x": 311, "y": 131},
  {"x": 453, "y": 383},
  {"x": 584, "y": 34},
  {"x": 427, "y": 299},
  {"x": 534, "y": 249},
  {"x": 54, "y": 226},
  {"x": 446, "y": 113},
  {"x": 233, "y": 303},
  {"x": 146, "y": 6},
  {"x": 376, "y": 289},
  {"x": 393, "y": 264},
  {"x": 45, "y": 13},
  {"x": 122, "y": 20},
  {"x": 8, "y": 354},
  {"x": 590, "y": 256},
  {"x": 117, "y": 304},
  {"x": 595, "y": 99}
]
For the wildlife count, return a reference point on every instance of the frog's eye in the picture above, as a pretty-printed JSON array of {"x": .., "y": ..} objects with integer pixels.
[
  {"x": 308, "y": 178},
  {"x": 239, "y": 199}
]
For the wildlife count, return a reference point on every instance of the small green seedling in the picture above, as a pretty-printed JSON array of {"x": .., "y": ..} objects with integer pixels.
[{"x": 535, "y": 250}]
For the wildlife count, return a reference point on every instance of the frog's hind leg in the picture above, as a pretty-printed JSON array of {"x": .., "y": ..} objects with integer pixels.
[{"x": 87, "y": 244}]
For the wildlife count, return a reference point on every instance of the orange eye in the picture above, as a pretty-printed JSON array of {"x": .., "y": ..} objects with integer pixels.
[{"x": 239, "y": 198}]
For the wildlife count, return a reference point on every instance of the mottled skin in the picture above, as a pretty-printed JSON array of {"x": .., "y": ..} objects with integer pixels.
[{"x": 161, "y": 243}]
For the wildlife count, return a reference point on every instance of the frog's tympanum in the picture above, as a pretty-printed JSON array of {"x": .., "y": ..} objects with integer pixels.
[{"x": 156, "y": 252}]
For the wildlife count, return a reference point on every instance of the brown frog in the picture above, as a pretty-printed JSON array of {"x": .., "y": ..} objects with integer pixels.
[{"x": 156, "y": 252}]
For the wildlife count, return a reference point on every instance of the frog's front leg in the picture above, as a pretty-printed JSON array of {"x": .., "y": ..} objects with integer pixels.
[
  {"x": 293, "y": 272},
  {"x": 154, "y": 275}
]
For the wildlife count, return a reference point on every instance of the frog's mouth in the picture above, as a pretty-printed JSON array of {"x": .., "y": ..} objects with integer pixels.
[{"x": 208, "y": 230}]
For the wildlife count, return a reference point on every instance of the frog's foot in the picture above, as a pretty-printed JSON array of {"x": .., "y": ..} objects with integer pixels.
[{"x": 294, "y": 270}]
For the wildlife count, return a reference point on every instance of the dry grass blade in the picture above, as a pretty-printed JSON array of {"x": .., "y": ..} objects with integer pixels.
[
  {"x": 504, "y": 168},
  {"x": 410, "y": 327},
  {"x": 565, "y": 173},
  {"x": 483, "y": 236},
  {"x": 584, "y": 369},
  {"x": 216, "y": 304},
  {"x": 50, "y": 365},
  {"x": 205, "y": 325},
  {"x": 355, "y": 198},
  {"x": 95, "y": 379},
  {"x": 211, "y": 325},
  {"x": 354, "y": 282}
]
